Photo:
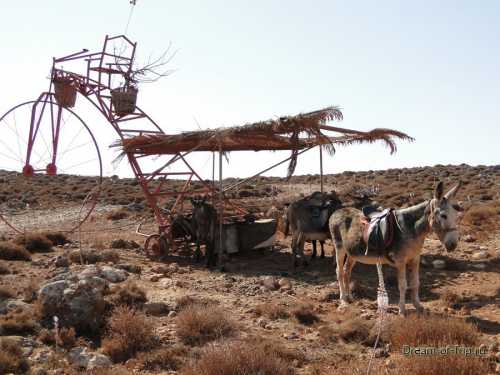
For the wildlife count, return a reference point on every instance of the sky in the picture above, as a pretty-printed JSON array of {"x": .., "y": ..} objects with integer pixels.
[{"x": 427, "y": 68}]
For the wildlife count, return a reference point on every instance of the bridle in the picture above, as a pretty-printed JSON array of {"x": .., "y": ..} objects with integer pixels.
[{"x": 432, "y": 209}]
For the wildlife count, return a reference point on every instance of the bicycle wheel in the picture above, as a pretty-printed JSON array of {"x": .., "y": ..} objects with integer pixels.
[{"x": 44, "y": 151}]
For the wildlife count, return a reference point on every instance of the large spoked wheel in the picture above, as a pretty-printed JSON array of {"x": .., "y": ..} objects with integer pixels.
[{"x": 44, "y": 151}]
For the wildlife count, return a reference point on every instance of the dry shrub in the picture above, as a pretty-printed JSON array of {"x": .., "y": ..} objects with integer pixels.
[
  {"x": 4, "y": 268},
  {"x": 199, "y": 324},
  {"x": 163, "y": 359},
  {"x": 67, "y": 338},
  {"x": 238, "y": 359},
  {"x": 30, "y": 292},
  {"x": 115, "y": 370},
  {"x": 118, "y": 214},
  {"x": 272, "y": 311},
  {"x": 92, "y": 256},
  {"x": 451, "y": 299},
  {"x": 130, "y": 294},
  {"x": 129, "y": 331},
  {"x": 351, "y": 330},
  {"x": 11, "y": 358},
  {"x": 431, "y": 331},
  {"x": 17, "y": 323},
  {"x": 57, "y": 238},
  {"x": 110, "y": 256},
  {"x": 34, "y": 243},
  {"x": 11, "y": 251},
  {"x": 6, "y": 292},
  {"x": 277, "y": 349},
  {"x": 442, "y": 365},
  {"x": 47, "y": 336},
  {"x": 305, "y": 315},
  {"x": 479, "y": 215},
  {"x": 188, "y": 301}
]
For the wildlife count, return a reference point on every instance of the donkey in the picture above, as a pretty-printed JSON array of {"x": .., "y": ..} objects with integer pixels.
[
  {"x": 413, "y": 225},
  {"x": 307, "y": 219},
  {"x": 204, "y": 223}
]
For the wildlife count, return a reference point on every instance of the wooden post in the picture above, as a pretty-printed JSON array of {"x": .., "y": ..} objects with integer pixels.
[
  {"x": 321, "y": 167},
  {"x": 213, "y": 177},
  {"x": 221, "y": 211}
]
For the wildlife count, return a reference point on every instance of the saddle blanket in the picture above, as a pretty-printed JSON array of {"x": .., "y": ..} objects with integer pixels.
[{"x": 378, "y": 233}]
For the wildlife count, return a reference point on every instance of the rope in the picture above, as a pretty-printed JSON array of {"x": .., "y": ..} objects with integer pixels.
[
  {"x": 382, "y": 303},
  {"x": 132, "y": 6}
]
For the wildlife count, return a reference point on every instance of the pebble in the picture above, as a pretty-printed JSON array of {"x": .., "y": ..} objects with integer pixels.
[
  {"x": 482, "y": 254},
  {"x": 439, "y": 264},
  {"x": 479, "y": 266},
  {"x": 469, "y": 238}
]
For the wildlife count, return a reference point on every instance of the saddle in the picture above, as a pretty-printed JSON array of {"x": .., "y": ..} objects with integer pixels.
[{"x": 378, "y": 232}]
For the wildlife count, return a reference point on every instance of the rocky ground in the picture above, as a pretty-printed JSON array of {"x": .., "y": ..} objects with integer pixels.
[{"x": 292, "y": 317}]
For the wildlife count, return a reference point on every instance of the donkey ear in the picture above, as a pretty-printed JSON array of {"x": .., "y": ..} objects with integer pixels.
[
  {"x": 453, "y": 191},
  {"x": 438, "y": 192}
]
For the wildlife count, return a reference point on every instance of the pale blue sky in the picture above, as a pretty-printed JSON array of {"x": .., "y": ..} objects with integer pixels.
[{"x": 428, "y": 68}]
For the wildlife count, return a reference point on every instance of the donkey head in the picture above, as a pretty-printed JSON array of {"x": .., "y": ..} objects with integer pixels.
[{"x": 444, "y": 216}]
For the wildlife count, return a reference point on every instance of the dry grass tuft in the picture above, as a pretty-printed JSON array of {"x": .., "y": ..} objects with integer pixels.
[
  {"x": 479, "y": 215},
  {"x": 238, "y": 359},
  {"x": 17, "y": 323},
  {"x": 66, "y": 338},
  {"x": 57, "y": 238},
  {"x": 272, "y": 311},
  {"x": 4, "y": 268},
  {"x": 6, "y": 292},
  {"x": 431, "y": 331},
  {"x": 115, "y": 370},
  {"x": 305, "y": 315},
  {"x": 277, "y": 349},
  {"x": 118, "y": 214},
  {"x": 130, "y": 294},
  {"x": 129, "y": 331},
  {"x": 34, "y": 243},
  {"x": 163, "y": 359},
  {"x": 11, "y": 358},
  {"x": 188, "y": 301},
  {"x": 92, "y": 256},
  {"x": 351, "y": 330},
  {"x": 451, "y": 299},
  {"x": 442, "y": 365},
  {"x": 47, "y": 336},
  {"x": 199, "y": 324},
  {"x": 11, "y": 251}
]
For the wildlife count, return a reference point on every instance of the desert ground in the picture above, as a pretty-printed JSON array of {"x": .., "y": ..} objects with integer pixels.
[{"x": 121, "y": 312}]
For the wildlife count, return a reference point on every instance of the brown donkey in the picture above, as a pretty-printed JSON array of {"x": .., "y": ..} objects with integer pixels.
[{"x": 413, "y": 224}]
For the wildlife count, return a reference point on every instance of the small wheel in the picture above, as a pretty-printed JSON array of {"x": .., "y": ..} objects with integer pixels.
[
  {"x": 157, "y": 245},
  {"x": 43, "y": 146}
]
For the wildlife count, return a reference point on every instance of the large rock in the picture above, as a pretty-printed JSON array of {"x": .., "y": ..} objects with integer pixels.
[
  {"x": 76, "y": 299},
  {"x": 84, "y": 358}
]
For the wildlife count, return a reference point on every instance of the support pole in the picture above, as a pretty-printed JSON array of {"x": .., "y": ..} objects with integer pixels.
[
  {"x": 221, "y": 211},
  {"x": 321, "y": 167},
  {"x": 213, "y": 177}
]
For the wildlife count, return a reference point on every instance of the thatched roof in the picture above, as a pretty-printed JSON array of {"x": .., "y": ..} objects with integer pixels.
[{"x": 284, "y": 133}]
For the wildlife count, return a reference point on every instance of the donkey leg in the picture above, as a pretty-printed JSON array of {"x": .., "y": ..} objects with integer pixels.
[
  {"x": 197, "y": 253},
  {"x": 414, "y": 267},
  {"x": 313, "y": 255},
  {"x": 293, "y": 247},
  {"x": 348, "y": 266},
  {"x": 402, "y": 288},
  {"x": 340, "y": 255},
  {"x": 322, "y": 244},
  {"x": 300, "y": 249}
]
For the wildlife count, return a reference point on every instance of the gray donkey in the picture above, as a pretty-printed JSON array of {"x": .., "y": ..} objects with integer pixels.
[
  {"x": 307, "y": 220},
  {"x": 412, "y": 226},
  {"x": 204, "y": 224}
]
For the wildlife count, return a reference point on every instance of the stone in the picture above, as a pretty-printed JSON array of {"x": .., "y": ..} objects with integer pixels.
[
  {"x": 479, "y": 266},
  {"x": 61, "y": 261},
  {"x": 9, "y": 305},
  {"x": 76, "y": 299},
  {"x": 469, "y": 238},
  {"x": 482, "y": 254},
  {"x": 156, "y": 308},
  {"x": 113, "y": 275},
  {"x": 270, "y": 283},
  {"x": 439, "y": 264},
  {"x": 285, "y": 284},
  {"x": 84, "y": 358},
  {"x": 27, "y": 345},
  {"x": 172, "y": 314}
]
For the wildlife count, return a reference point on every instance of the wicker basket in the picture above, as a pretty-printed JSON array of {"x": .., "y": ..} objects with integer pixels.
[
  {"x": 65, "y": 92},
  {"x": 124, "y": 100}
]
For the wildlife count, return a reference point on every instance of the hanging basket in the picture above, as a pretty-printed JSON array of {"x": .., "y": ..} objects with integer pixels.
[
  {"x": 124, "y": 100},
  {"x": 65, "y": 92}
]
